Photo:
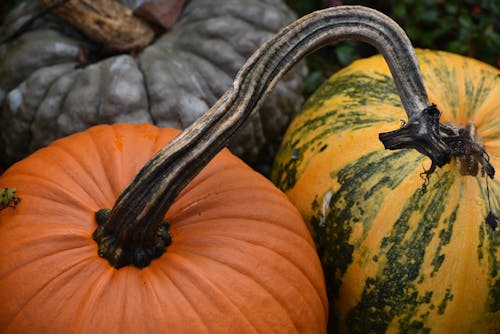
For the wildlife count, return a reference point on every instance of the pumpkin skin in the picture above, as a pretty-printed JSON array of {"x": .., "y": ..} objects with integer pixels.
[
  {"x": 170, "y": 83},
  {"x": 397, "y": 259},
  {"x": 242, "y": 259}
]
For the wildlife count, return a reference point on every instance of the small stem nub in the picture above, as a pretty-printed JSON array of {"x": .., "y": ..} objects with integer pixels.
[{"x": 138, "y": 251}]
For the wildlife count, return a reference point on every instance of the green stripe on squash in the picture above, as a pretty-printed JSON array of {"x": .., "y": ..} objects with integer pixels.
[{"x": 396, "y": 258}]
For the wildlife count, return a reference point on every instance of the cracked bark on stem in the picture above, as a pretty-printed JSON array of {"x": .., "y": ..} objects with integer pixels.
[{"x": 129, "y": 233}]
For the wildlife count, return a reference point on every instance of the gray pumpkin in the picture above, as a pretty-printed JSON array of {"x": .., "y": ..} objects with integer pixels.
[{"x": 45, "y": 95}]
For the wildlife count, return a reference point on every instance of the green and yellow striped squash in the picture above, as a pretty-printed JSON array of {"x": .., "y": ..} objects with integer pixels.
[{"x": 397, "y": 259}]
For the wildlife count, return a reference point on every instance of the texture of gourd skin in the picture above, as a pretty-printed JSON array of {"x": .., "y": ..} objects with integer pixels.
[
  {"x": 241, "y": 260},
  {"x": 170, "y": 83},
  {"x": 395, "y": 257}
]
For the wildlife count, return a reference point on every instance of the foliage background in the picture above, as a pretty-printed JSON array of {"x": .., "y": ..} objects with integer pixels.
[{"x": 467, "y": 27}]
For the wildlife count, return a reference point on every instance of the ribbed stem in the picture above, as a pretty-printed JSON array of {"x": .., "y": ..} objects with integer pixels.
[{"x": 132, "y": 225}]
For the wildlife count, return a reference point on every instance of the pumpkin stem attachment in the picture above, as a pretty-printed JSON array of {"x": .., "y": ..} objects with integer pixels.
[
  {"x": 142, "y": 248},
  {"x": 422, "y": 133},
  {"x": 136, "y": 222}
]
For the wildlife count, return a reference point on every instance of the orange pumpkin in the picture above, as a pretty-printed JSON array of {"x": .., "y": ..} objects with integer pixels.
[{"x": 241, "y": 259}]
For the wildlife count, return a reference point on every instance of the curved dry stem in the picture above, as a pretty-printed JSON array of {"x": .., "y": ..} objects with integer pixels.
[{"x": 140, "y": 210}]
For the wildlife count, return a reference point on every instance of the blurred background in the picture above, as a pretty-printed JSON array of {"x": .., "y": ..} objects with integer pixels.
[{"x": 467, "y": 27}]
